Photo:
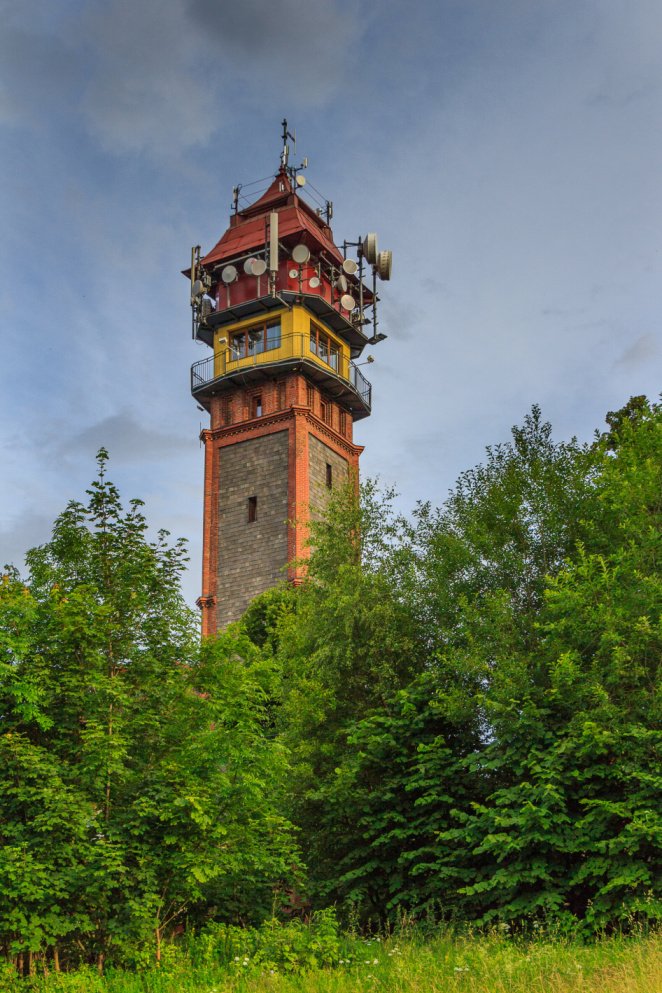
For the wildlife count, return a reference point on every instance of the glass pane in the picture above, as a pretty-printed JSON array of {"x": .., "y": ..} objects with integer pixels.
[
  {"x": 313, "y": 343},
  {"x": 255, "y": 341},
  {"x": 273, "y": 335},
  {"x": 324, "y": 348},
  {"x": 334, "y": 358},
  {"x": 237, "y": 346}
]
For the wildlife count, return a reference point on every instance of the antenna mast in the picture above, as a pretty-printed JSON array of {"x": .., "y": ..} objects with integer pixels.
[{"x": 285, "y": 154}]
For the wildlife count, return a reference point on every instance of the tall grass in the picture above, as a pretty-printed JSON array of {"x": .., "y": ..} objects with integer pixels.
[{"x": 492, "y": 963}]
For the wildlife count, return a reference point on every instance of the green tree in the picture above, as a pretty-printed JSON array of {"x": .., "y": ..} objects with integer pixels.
[
  {"x": 139, "y": 783},
  {"x": 573, "y": 827}
]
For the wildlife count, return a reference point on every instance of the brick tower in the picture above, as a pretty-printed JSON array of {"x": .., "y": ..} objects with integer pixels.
[{"x": 285, "y": 312}]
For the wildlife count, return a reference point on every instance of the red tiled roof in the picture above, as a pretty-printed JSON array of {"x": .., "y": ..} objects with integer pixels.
[{"x": 247, "y": 229}]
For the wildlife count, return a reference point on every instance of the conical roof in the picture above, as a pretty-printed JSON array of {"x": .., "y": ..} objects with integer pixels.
[{"x": 296, "y": 222}]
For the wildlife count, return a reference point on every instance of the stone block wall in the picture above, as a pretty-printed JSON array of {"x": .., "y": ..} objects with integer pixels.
[{"x": 251, "y": 555}]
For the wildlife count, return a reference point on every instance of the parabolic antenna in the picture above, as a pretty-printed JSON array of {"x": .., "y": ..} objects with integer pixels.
[
  {"x": 255, "y": 267},
  {"x": 347, "y": 301},
  {"x": 384, "y": 264},
  {"x": 301, "y": 180},
  {"x": 341, "y": 283},
  {"x": 314, "y": 282},
  {"x": 370, "y": 247},
  {"x": 293, "y": 273},
  {"x": 229, "y": 274},
  {"x": 300, "y": 254},
  {"x": 350, "y": 266},
  {"x": 197, "y": 289}
]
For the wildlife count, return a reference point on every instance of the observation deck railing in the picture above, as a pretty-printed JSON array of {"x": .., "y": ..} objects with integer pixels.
[{"x": 284, "y": 350}]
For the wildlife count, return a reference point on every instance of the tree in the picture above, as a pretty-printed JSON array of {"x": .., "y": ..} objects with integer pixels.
[
  {"x": 139, "y": 783},
  {"x": 573, "y": 829}
]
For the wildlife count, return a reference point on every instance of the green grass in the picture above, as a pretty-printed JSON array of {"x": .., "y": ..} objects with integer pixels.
[{"x": 469, "y": 964}]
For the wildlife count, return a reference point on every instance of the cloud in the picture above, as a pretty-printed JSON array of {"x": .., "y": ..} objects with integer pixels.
[
  {"x": 645, "y": 348},
  {"x": 292, "y": 50},
  {"x": 126, "y": 439},
  {"x": 146, "y": 91},
  {"x": 25, "y": 530}
]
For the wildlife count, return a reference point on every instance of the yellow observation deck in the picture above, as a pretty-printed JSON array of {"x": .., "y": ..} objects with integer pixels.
[{"x": 252, "y": 351}]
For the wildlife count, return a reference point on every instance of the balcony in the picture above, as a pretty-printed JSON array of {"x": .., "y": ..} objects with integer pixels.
[{"x": 338, "y": 376}]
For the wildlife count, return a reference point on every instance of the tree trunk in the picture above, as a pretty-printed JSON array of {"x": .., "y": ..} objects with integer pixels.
[
  {"x": 157, "y": 934},
  {"x": 56, "y": 959},
  {"x": 100, "y": 958}
]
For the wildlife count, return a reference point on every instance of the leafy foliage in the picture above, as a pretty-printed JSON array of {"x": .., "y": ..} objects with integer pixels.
[
  {"x": 137, "y": 783},
  {"x": 472, "y": 698}
]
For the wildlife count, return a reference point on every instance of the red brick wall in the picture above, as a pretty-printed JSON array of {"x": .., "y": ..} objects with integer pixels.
[{"x": 300, "y": 421}]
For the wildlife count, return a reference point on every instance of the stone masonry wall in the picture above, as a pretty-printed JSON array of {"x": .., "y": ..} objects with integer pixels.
[
  {"x": 320, "y": 455},
  {"x": 251, "y": 556}
]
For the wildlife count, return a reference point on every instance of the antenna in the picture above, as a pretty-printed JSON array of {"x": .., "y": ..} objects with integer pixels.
[{"x": 285, "y": 154}]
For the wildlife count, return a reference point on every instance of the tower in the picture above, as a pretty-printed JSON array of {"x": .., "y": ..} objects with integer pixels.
[{"x": 285, "y": 312}]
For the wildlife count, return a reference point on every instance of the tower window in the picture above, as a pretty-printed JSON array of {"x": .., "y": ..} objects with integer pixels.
[
  {"x": 324, "y": 410},
  {"x": 255, "y": 340},
  {"x": 226, "y": 411},
  {"x": 329, "y": 475},
  {"x": 281, "y": 396},
  {"x": 252, "y": 509},
  {"x": 310, "y": 396},
  {"x": 325, "y": 348},
  {"x": 256, "y": 405},
  {"x": 343, "y": 422}
]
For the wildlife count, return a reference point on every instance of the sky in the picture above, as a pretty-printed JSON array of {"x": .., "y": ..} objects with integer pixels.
[{"x": 508, "y": 152}]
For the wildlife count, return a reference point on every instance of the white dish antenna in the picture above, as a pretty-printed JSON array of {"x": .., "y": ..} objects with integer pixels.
[
  {"x": 314, "y": 282},
  {"x": 341, "y": 283},
  {"x": 197, "y": 289},
  {"x": 384, "y": 265},
  {"x": 347, "y": 301},
  {"x": 350, "y": 266},
  {"x": 301, "y": 180},
  {"x": 293, "y": 273},
  {"x": 229, "y": 274},
  {"x": 370, "y": 247},
  {"x": 255, "y": 267},
  {"x": 301, "y": 254}
]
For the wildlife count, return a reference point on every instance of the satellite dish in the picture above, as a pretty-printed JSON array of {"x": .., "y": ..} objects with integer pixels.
[
  {"x": 350, "y": 266},
  {"x": 197, "y": 289},
  {"x": 300, "y": 254},
  {"x": 341, "y": 283},
  {"x": 314, "y": 282},
  {"x": 293, "y": 273},
  {"x": 229, "y": 274},
  {"x": 347, "y": 301},
  {"x": 370, "y": 247},
  {"x": 384, "y": 264},
  {"x": 301, "y": 180},
  {"x": 255, "y": 267}
]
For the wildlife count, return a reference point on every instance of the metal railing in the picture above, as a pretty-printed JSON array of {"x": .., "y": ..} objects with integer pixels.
[{"x": 288, "y": 347}]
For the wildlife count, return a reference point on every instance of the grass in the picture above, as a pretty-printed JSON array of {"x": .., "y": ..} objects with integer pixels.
[{"x": 441, "y": 964}]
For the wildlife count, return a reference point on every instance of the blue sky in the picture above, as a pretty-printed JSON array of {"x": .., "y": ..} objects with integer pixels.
[{"x": 509, "y": 153}]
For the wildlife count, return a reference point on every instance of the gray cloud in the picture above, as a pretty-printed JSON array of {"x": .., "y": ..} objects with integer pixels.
[
  {"x": 645, "y": 348},
  {"x": 288, "y": 50},
  {"x": 126, "y": 439}
]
